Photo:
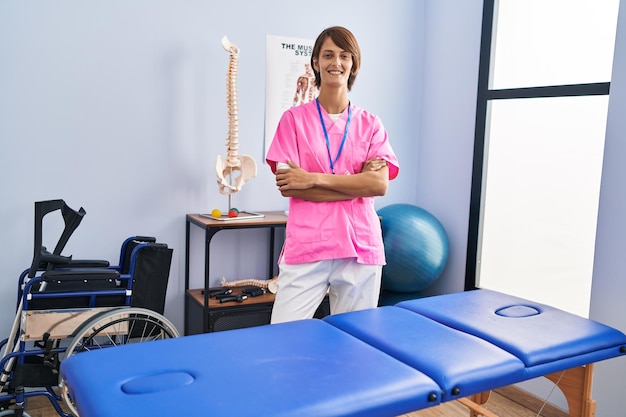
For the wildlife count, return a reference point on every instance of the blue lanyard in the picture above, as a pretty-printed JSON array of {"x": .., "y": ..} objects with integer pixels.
[{"x": 343, "y": 141}]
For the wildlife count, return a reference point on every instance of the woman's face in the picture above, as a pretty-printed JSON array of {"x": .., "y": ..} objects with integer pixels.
[{"x": 333, "y": 64}]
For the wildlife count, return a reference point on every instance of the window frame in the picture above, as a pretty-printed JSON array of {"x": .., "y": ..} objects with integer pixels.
[{"x": 484, "y": 97}]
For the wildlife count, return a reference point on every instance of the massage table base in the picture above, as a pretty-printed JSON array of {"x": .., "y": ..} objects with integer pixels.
[
  {"x": 385, "y": 361},
  {"x": 574, "y": 383},
  {"x": 475, "y": 406}
]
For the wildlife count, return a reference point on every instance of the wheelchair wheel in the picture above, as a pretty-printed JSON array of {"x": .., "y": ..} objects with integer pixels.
[{"x": 120, "y": 326}]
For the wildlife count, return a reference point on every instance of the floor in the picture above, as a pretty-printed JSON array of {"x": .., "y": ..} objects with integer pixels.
[{"x": 502, "y": 406}]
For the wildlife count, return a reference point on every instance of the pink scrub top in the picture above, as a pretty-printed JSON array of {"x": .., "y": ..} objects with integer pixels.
[{"x": 340, "y": 229}]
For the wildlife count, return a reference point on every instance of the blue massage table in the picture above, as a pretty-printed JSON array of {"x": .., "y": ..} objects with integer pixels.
[{"x": 385, "y": 361}]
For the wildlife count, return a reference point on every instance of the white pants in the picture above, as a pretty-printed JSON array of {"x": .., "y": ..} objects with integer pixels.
[{"x": 301, "y": 288}]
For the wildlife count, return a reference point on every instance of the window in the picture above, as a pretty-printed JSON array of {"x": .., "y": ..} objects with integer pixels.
[{"x": 540, "y": 127}]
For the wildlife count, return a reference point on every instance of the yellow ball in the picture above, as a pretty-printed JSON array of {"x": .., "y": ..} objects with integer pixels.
[{"x": 216, "y": 213}]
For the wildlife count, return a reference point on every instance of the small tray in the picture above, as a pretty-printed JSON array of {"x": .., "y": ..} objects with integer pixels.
[{"x": 243, "y": 215}]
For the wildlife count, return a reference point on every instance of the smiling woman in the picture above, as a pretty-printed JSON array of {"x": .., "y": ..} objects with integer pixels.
[{"x": 331, "y": 158}]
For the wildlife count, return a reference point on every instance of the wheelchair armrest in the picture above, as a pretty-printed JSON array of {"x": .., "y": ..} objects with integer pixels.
[
  {"x": 88, "y": 263},
  {"x": 80, "y": 274},
  {"x": 77, "y": 263}
]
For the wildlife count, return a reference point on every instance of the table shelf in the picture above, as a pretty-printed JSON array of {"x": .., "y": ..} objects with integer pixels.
[{"x": 197, "y": 301}]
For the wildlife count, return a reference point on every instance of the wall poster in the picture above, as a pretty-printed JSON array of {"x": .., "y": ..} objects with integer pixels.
[{"x": 289, "y": 79}]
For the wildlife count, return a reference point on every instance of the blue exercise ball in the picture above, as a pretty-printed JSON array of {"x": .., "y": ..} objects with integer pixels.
[{"x": 416, "y": 248}]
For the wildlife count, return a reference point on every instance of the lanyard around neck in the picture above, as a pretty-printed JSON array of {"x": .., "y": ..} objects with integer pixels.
[{"x": 343, "y": 141}]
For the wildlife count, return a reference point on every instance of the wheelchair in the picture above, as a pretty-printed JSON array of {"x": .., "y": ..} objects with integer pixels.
[{"x": 67, "y": 306}]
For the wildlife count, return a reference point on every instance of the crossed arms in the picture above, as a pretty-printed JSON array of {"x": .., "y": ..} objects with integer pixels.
[{"x": 314, "y": 186}]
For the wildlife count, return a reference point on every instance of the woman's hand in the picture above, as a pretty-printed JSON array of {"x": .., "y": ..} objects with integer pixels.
[
  {"x": 294, "y": 178},
  {"x": 373, "y": 164}
]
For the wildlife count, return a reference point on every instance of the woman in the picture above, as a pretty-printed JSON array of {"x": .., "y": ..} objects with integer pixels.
[{"x": 331, "y": 158}]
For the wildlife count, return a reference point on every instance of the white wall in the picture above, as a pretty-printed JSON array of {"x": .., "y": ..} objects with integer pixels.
[
  {"x": 446, "y": 140},
  {"x": 608, "y": 291},
  {"x": 120, "y": 107}
]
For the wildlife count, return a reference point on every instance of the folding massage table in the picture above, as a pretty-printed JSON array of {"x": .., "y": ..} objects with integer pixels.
[{"x": 385, "y": 361}]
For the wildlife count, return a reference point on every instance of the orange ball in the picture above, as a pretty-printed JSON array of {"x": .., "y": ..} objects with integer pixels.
[{"x": 216, "y": 213}]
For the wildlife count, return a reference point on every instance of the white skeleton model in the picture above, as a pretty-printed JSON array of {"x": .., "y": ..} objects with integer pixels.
[{"x": 233, "y": 173}]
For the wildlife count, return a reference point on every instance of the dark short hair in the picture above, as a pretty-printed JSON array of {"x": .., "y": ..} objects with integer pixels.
[{"x": 344, "y": 39}]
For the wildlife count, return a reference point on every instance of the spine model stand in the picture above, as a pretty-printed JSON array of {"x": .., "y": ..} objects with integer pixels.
[{"x": 233, "y": 173}]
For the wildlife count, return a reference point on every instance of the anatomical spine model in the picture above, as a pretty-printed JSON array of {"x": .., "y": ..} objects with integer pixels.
[
  {"x": 236, "y": 170},
  {"x": 270, "y": 284}
]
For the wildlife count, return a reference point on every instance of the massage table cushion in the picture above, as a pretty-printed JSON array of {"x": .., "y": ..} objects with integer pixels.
[{"x": 303, "y": 368}]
